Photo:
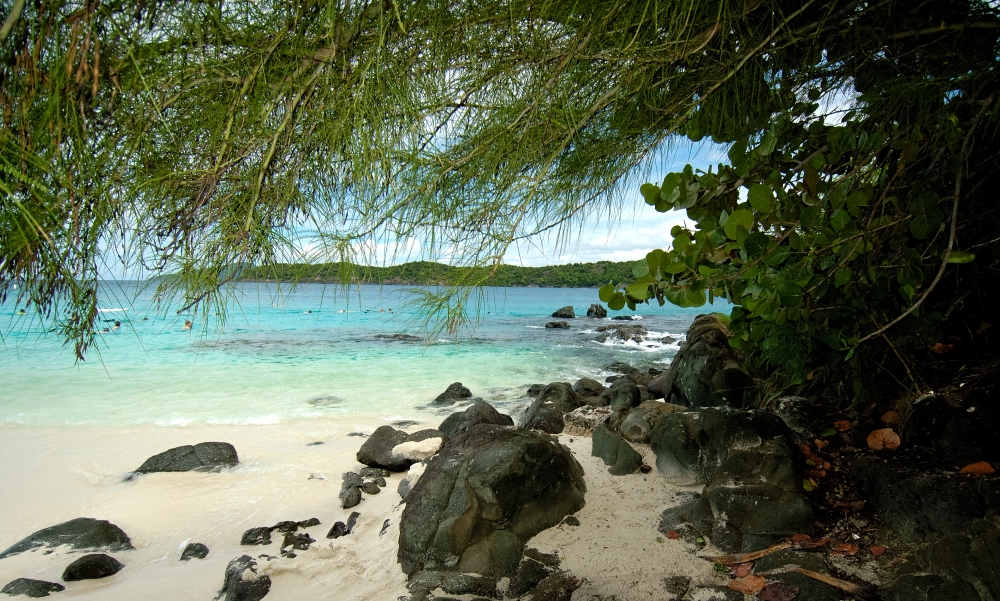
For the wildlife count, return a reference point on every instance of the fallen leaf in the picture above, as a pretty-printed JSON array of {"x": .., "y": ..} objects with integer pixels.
[
  {"x": 883, "y": 438},
  {"x": 778, "y": 591},
  {"x": 890, "y": 417},
  {"x": 877, "y": 550},
  {"x": 980, "y": 468},
  {"x": 800, "y": 538},
  {"x": 846, "y": 549},
  {"x": 673, "y": 535},
  {"x": 842, "y": 425},
  {"x": 743, "y": 569},
  {"x": 817, "y": 473},
  {"x": 821, "y": 444},
  {"x": 943, "y": 349},
  {"x": 748, "y": 585}
]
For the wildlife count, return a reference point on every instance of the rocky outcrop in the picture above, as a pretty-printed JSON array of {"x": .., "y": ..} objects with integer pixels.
[
  {"x": 242, "y": 582},
  {"x": 597, "y": 310},
  {"x": 584, "y": 419},
  {"x": 480, "y": 412},
  {"x": 483, "y": 496},
  {"x": 546, "y": 412},
  {"x": 194, "y": 551},
  {"x": 79, "y": 533},
  {"x": 621, "y": 332},
  {"x": 706, "y": 372},
  {"x": 92, "y": 567},
  {"x": 637, "y": 426},
  {"x": 454, "y": 392},
  {"x": 615, "y": 451},
  {"x": 31, "y": 588},
  {"x": 557, "y": 325},
  {"x": 564, "y": 313},
  {"x": 587, "y": 387},
  {"x": 386, "y": 448},
  {"x": 751, "y": 469},
  {"x": 202, "y": 457}
]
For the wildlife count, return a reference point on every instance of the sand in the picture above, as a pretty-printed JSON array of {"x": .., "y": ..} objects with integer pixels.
[{"x": 51, "y": 475}]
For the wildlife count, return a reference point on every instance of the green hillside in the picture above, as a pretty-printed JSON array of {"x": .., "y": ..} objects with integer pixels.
[{"x": 426, "y": 273}]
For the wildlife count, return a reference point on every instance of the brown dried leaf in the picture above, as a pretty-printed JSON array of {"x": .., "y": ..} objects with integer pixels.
[
  {"x": 877, "y": 550},
  {"x": 748, "y": 585},
  {"x": 673, "y": 535},
  {"x": 979, "y": 468},
  {"x": 778, "y": 591},
  {"x": 821, "y": 444},
  {"x": 883, "y": 438},
  {"x": 890, "y": 417},
  {"x": 846, "y": 549},
  {"x": 842, "y": 425},
  {"x": 743, "y": 570},
  {"x": 800, "y": 538}
]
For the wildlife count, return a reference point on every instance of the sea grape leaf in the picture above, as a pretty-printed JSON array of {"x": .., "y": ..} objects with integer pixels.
[
  {"x": 961, "y": 256},
  {"x": 638, "y": 291},
  {"x": 617, "y": 301},
  {"x": 927, "y": 217},
  {"x": 761, "y": 198},
  {"x": 605, "y": 293},
  {"x": 650, "y": 193},
  {"x": 756, "y": 244},
  {"x": 839, "y": 219},
  {"x": 740, "y": 217}
]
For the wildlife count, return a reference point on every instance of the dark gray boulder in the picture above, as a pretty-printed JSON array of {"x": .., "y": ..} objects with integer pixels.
[
  {"x": 623, "y": 395},
  {"x": 454, "y": 392},
  {"x": 377, "y": 450},
  {"x": 557, "y": 325},
  {"x": 564, "y": 313},
  {"x": 260, "y": 535},
  {"x": 546, "y": 419},
  {"x": 706, "y": 372},
  {"x": 635, "y": 428},
  {"x": 194, "y": 551},
  {"x": 452, "y": 583},
  {"x": 483, "y": 497},
  {"x": 79, "y": 533},
  {"x": 615, "y": 451},
  {"x": 242, "y": 583},
  {"x": 597, "y": 310},
  {"x": 620, "y": 367},
  {"x": 625, "y": 333},
  {"x": 561, "y": 396},
  {"x": 202, "y": 457},
  {"x": 91, "y": 567},
  {"x": 31, "y": 588},
  {"x": 480, "y": 412},
  {"x": 655, "y": 386},
  {"x": 804, "y": 417},
  {"x": 534, "y": 389},
  {"x": 587, "y": 387},
  {"x": 752, "y": 469}
]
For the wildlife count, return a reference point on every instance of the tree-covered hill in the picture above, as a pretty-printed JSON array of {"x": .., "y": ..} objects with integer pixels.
[{"x": 427, "y": 273}]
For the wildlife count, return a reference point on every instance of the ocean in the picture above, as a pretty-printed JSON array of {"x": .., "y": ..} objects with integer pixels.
[{"x": 300, "y": 353}]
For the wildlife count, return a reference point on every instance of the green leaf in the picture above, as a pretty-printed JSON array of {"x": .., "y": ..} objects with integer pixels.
[
  {"x": 842, "y": 277},
  {"x": 779, "y": 256},
  {"x": 741, "y": 217},
  {"x": 756, "y": 244},
  {"x": 605, "y": 293},
  {"x": 811, "y": 217},
  {"x": 961, "y": 256},
  {"x": 761, "y": 198},
  {"x": 638, "y": 291},
  {"x": 856, "y": 199},
  {"x": 927, "y": 217},
  {"x": 839, "y": 219},
  {"x": 828, "y": 432},
  {"x": 810, "y": 179},
  {"x": 675, "y": 268},
  {"x": 617, "y": 301},
  {"x": 669, "y": 185},
  {"x": 640, "y": 269},
  {"x": 650, "y": 193},
  {"x": 738, "y": 152},
  {"x": 767, "y": 143}
]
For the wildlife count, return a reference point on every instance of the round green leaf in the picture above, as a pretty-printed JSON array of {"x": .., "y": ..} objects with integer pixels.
[
  {"x": 756, "y": 244},
  {"x": 650, "y": 193},
  {"x": 742, "y": 217},
  {"x": 605, "y": 292},
  {"x": 761, "y": 198},
  {"x": 617, "y": 301},
  {"x": 638, "y": 291},
  {"x": 839, "y": 219},
  {"x": 961, "y": 256}
]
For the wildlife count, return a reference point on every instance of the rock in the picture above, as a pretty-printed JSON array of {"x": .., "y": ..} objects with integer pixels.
[
  {"x": 407, "y": 483},
  {"x": 623, "y": 318},
  {"x": 559, "y": 395},
  {"x": 564, "y": 313},
  {"x": 298, "y": 542},
  {"x": 587, "y": 387},
  {"x": 555, "y": 587},
  {"x": 454, "y": 392},
  {"x": 557, "y": 325},
  {"x": 922, "y": 507},
  {"x": 615, "y": 451},
  {"x": 79, "y": 533},
  {"x": 691, "y": 518},
  {"x": 752, "y": 469},
  {"x": 546, "y": 419},
  {"x": 242, "y": 583},
  {"x": 377, "y": 472},
  {"x": 420, "y": 445},
  {"x": 706, "y": 372},
  {"x": 194, "y": 551},
  {"x": 480, "y": 412},
  {"x": 483, "y": 496},
  {"x": 256, "y": 536},
  {"x": 91, "y": 567},
  {"x": 31, "y": 588},
  {"x": 377, "y": 450},
  {"x": 958, "y": 431},
  {"x": 620, "y": 367},
  {"x": 597, "y": 310},
  {"x": 676, "y": 587},
  {"x": 804, "y": 417},
  {"x": 202, "y": 457},
  {"x": 529, "y": 573},
  {"x": 623, "y": 395},
  {"x": 584, "y": 419},
  {"x": 621, "y": 332},
  {"x": 370, "y": 488},
  {"x": 635, "y": 428},
  {"x": 534, "y": 389},
  {"x": 595, "y": 401},
  {"x": 809, "y": 589},
  {"x": 309, "y": 523}
]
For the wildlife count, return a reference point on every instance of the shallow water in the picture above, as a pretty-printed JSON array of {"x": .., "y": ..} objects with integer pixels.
[{"x": 303, "y": 354}]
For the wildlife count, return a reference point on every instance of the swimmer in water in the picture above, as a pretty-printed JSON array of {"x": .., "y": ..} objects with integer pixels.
[
  {"x": 188, "y": 324},
  {"x": 20, "y": 311},
  {"x": 118, "y": 324}
]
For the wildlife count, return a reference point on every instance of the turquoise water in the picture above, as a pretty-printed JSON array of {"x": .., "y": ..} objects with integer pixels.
[{"x": 286, "y": 354}]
